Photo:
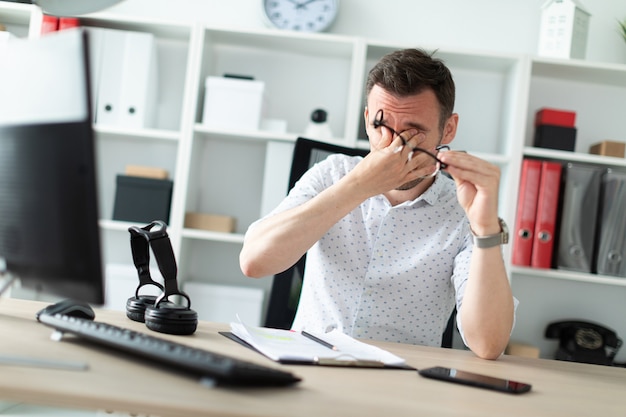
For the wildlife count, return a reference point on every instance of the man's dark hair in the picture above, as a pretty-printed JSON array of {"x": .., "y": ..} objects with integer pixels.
[{"x": 410, "y": 71}]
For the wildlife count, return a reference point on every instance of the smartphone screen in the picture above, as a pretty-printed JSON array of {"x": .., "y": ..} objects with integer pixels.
[{"x": 476, "y": 380}]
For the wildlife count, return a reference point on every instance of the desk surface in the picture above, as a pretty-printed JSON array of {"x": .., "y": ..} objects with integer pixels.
[{"x": 116, "y": 382}]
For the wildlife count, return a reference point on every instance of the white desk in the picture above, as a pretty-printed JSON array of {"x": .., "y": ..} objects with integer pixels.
[{"x": 121, "y": 383}]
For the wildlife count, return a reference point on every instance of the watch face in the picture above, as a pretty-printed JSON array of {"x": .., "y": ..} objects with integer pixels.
[{"x": 301, "y": 15}]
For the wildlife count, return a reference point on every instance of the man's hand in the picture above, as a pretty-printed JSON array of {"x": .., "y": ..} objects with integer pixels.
[
  {"x": 477, "y": 182},
  {"x": 393, "y": 163}
]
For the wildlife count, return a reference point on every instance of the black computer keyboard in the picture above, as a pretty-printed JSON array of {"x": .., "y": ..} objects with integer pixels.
[{"x": 218, "y": 367}]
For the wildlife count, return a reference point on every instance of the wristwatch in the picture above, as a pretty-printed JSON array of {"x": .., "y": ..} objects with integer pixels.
[{"x": 489, "y": 241}]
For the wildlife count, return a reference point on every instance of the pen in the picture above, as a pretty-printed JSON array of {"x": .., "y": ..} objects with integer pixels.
[{"x": 318, "y": 340}]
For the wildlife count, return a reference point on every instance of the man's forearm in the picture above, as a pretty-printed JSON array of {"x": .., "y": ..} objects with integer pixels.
[
  {"x": 277, "y": 242},
  {"x": 487, "y": 310}
]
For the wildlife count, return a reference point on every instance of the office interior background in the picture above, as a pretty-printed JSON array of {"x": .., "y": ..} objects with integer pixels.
[{"x": 499, "y": 26}]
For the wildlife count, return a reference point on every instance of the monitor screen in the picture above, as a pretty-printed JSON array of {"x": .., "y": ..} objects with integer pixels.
[{"x": 49, "y": 236}]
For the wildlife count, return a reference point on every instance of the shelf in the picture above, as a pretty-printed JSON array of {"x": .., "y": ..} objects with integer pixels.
[
  {"x": 159, "y": 27},
  {"x": 17, "y": 17},
  {"x": 141, "y": 134},
  {"x": 301, "y": 72},
  {"x": 246, "y": 135},
  {"x": 299, "y": 43},
  {"x": 580, "y": 71},
  {"x": 608, "y": 161},
  {"x": 568, "y": 276},
  {"x": 213, "y": 236}
]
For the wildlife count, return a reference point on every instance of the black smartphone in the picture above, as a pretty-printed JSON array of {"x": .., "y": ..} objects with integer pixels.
[{"x": 475, "y": 380}]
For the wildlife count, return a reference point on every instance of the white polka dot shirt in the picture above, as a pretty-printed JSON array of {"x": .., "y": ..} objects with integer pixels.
[{"x": 382, "y": 272}]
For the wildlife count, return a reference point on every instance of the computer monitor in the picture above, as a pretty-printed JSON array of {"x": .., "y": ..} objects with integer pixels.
[{"x": 49, "y": 236}]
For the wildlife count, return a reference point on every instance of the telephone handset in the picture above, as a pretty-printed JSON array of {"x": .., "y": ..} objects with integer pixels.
[{"x": 583, "y": 341}]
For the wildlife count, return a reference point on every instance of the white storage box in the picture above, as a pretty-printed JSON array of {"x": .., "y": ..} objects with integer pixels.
[
  {"x": 222, "y": 303},
  {"x": 121, "y": 283},
  {"x": 233, "y": 103}
]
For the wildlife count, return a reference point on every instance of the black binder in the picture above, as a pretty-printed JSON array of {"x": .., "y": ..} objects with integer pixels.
[
  {"x": 611, "y": 254},
  {"x": 579, "y": 210}
]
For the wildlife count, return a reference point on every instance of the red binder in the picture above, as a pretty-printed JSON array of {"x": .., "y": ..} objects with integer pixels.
[
  {"x": 49, "y": 24},
  {"x": 526, "y": 211},
  {"x": 547, "y": 208},
  {"x": 68, "y": 22}
]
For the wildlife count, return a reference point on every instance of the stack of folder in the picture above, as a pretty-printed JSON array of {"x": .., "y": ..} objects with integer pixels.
[
  {"x": 124, "y": 74},
  {"x": 571, "y": 217},
  {"x": 537, "y": 211},
  {"x": 555, "y": 129}
]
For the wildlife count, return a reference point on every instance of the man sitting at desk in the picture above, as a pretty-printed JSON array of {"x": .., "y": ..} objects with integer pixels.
[{"x": 392, "y": 244}]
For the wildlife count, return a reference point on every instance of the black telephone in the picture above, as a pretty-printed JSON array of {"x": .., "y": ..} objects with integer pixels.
[{"x": 583, "y": 341}]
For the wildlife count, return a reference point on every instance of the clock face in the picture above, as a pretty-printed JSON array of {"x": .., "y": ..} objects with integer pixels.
[{"x": 301, "y": 15}]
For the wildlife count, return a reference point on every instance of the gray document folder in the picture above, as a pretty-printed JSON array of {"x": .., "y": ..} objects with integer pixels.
[
  {"x": 612, "y": 234},
  {"x": 578, "y": 217}
]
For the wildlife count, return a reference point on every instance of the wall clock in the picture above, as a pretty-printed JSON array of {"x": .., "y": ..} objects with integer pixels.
[{"x": 301, "y": 15}]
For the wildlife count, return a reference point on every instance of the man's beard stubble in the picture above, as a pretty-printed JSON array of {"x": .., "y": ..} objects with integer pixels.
[{"x": 411, "y": 184}]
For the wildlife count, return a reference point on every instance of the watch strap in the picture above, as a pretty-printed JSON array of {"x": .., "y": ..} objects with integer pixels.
[{"x": 490, "y": 241}]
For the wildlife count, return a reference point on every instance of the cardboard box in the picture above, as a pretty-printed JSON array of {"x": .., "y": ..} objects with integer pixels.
[
  {"x": 521, "y": 349},
  {"x": 555, "y": 117},
  {"x": 146, "y": 172},
  {"x": 212, "y": 222},
  {"x": 233, "y": 103},
  {"x": 555, "y": 137},
  {"x": 142, "y": 200},
  {"x": 608, "y": 148}
]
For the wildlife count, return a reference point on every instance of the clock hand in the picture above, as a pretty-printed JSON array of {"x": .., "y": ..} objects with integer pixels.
[{"x": 303, "y": 5}]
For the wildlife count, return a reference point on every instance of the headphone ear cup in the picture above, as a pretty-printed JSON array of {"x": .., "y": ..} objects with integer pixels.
[
  {"x": 171, "y": 319},
  {"x": 136, "y": 307}
]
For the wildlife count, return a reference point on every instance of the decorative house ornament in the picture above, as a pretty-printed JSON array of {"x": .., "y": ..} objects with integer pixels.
[{"x": 564, "y": 29}]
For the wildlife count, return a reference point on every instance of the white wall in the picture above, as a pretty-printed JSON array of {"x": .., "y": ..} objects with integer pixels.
[{"x": 490, "y": 25}]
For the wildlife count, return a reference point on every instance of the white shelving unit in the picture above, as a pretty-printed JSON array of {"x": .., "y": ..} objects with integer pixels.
[
  {"x": 597, "y": 93},
  {"x": 221, "y": 171}
]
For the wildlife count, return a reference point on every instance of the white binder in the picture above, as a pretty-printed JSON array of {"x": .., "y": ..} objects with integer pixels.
[
  {"x": 96, "y": 39},
  {"x": 139, "y": 76},
  {"x": 127, "y": 87},
  {"x": 110, "y": 77}
]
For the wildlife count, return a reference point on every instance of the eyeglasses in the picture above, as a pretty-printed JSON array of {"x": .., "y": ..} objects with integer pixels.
[{"x": 378, "y": 122}]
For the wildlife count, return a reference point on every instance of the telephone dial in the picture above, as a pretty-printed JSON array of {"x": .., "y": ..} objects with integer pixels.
[{"x": 583, "y": 341}]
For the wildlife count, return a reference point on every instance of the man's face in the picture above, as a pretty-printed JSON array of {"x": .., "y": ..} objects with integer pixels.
[{"x": 416, "y": 117}]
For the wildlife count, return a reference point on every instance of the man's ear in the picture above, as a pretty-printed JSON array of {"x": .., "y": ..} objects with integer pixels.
[
  {"x": 366, "y": 114},
  {"x": 449, "y": 130}
]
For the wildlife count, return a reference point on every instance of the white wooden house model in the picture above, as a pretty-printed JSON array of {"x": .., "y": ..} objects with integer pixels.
[{"x": 564, "y": 28}]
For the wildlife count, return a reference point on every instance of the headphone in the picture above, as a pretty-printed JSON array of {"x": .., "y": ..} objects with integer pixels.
[{"x": 158, "y": 313}]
